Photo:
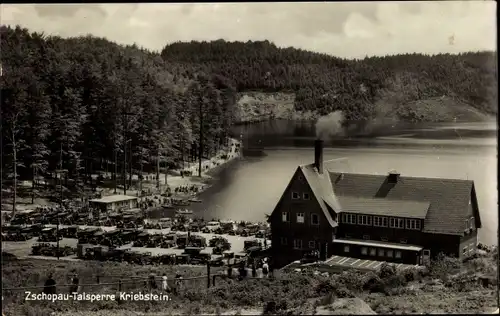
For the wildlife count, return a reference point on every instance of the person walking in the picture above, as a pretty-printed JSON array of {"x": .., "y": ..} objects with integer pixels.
[
  {"x": 75, "y": 281},
  {"x": 177, "y": 283},
  {"x": 265, "y": 269},
  {"x": 50, "y": 285},
  {"x": 164, "y": 283},
  {"x": 254, "y": 271},
  {"x": 152, "y": 281},
  {"x": 271, "y": 268}
]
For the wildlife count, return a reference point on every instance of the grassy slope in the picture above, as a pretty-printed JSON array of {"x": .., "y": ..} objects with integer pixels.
[{"x": 444, "y": 288}]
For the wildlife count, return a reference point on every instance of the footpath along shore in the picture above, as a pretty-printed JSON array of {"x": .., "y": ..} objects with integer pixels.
[{"x": 174, "y": 179}]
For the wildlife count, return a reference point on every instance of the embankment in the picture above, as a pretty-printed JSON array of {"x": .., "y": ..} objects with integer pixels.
[{"x": 254, "y": 106}]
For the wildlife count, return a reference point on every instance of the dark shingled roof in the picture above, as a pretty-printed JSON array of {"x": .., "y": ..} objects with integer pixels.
[
  {"x": 384, "y": 207},
  {"x": 448, "y": 198},
  {"x": 321, "y": 186}
]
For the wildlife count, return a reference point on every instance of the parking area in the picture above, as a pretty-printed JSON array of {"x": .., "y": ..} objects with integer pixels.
[{"x": 364, "y": 264}]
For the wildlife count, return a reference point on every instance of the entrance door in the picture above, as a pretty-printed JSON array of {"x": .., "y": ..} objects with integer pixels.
[{"x": 426, "y": 256}]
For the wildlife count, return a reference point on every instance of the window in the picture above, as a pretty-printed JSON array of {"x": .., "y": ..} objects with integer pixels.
[
  {"x": 379, "y": 221},
  {"x": 295, "y": 196},
  {"x": 381, "y": 252},
  {"x": 300, "y": 218},
  {"x": 373, "y": 252},
  {"x": 347, "y": 235},
  {"x": 349, "y": 218},
  {"x": 464, "y": 250},
  {"x": 403, "y": 240},
  {"x": 364, "y": 251},
  {"x": 305, "y": 196},
  {"x": 398, "y": 254},
  {"x": 366, "y": 237},
  {"x": 384, "y": 239},
  {"x": 346, "y": 248},
  {"x": 285, "y": 217},
  {"x": 284, "y": 241},
  {"x": 297, "y": 244},
  {"x": 413, "y": 224},
  {"x": 471, "y": 223},
  {"x": 314, "y": 219},
  {"x": 396, "y": 222},
  {"x": 364, "y": 220},
  {"x": 472, "y": 248},
  {"x": 390, "y": 253},
  {"x": 312, "y": 244}
]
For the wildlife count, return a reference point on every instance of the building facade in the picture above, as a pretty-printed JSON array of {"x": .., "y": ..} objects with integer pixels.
[
  {"x": 114, "y": 203},
  {"x": 378, "y": 217}
]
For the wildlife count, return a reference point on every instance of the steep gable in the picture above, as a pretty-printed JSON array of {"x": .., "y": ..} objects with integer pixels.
[
  {"x": 307, "y": 176},
  {"x": 475, "y": 207}
]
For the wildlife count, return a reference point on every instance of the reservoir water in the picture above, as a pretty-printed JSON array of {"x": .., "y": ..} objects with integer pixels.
[{"x": 250, "y": 187}]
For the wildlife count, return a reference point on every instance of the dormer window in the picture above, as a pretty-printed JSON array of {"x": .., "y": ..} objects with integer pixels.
[
  {"x": 295, "y": 195},
  {"x": 306, "y": 196}
]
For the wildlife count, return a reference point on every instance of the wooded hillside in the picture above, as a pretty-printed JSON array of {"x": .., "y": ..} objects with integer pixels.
[
  {"x": 81, "y": 99},
  {"x": 360, "y": 88}
]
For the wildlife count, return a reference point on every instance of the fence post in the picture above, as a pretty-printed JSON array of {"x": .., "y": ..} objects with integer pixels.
[
  {"x": 119, "y": 285},
  {"x": 213, "y": 280},
  {"x": 208, "y": 274}
]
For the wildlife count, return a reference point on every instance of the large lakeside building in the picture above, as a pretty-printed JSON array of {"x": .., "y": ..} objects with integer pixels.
[{"x": 379, "y": 217}]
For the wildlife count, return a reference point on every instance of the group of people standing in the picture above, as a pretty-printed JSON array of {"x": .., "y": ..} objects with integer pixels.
[
  {"x": 266, "y": 269},
  {"x": 50, "y": 285}
]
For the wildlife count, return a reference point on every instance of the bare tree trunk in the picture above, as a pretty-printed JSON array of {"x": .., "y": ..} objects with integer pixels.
[
  {"x": 158, "y": 169},
  {"x": 33, "y": 185},
  {"x": 166, "y": 171},
  {"x": 90, "y": 170},
  {"x": 14, "y": 198},
  {"x": 130, "y": 169},
  {"x": 140, "y": 179},
  {"x": 116, "y": 169}
]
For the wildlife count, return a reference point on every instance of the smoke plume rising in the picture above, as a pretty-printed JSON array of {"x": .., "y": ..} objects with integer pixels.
[{"x": 330, "y": 125}]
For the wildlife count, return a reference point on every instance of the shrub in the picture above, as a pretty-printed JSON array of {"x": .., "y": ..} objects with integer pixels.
[
  {"x": 325, "y": 287},
  {"x": 275, "y": 308},
  {"x": 352, "y": 280},
  {"x": 343, "y": 293},
  {"x": 373, "y": 283},
  {"x": 386, "y": 270},
  {"x": 442, "y": 267}
]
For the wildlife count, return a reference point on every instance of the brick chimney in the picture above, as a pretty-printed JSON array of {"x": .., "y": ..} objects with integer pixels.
[
  {"x": 394, "y": 176},
  {"x": 318, "y": 155}
]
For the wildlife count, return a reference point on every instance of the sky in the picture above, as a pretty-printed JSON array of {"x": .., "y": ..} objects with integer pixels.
[{"x": 349, "y": 30}]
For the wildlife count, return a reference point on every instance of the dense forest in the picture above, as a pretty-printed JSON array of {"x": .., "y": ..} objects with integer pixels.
[
  {"x": 79, "y": 104},
  {"x": 359, "y": 88}
]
